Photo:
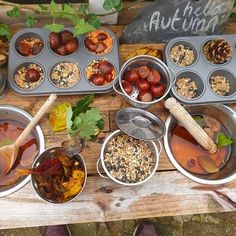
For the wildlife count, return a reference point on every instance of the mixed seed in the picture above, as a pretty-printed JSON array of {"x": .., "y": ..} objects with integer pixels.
[
  {"x": 128, "y": 160},
  {"x": 65, "y": 74},
  {"x": 186, "y": 87},
  {"x": 182, "y": 55},
  {"x": 220, "y": 85},
  {"x": 29, "y": 76}
]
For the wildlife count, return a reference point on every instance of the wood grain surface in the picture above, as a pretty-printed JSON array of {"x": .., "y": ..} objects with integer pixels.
[{"x": 168, "y": 193}]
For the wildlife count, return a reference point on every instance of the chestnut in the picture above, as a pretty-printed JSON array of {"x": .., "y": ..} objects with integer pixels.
[
  {"x": 105, "y": 67},
  {"x": 158, "y": 91},
  {"x": 24, "y": 48},
  {"x": 32, "y": 75},
  {"x": 101, "y": 37},
  {"x": 131, "y": 76},
  {"x": 55, "y": 40},
  {"x": 127, "y": 87},
  {"x": 71, "y": 46},
  {"x": 61, "y": 50},
  {"x": 37, "y": 47},
  {"x": 98, "y": 79},
  {"x": 66, "y": 36},
  {"x": 101, "y": 47},
  {"x": 90, "y": 45},
  {"x": 145, "y": 96},
  {"x": 109, "y": 77},
  {"x": 143, "y": 85},
  {"x": 154, "y": 77},
  {"x": 144, "y": 72}
]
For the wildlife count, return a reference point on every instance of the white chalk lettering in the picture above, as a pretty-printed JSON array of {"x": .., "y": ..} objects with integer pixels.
[{"x": 198, "y": 19}]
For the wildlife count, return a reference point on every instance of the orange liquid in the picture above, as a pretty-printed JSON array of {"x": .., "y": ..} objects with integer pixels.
[
  {"x": 186, "y": 151},
  {"x": 9, "y": 131}
]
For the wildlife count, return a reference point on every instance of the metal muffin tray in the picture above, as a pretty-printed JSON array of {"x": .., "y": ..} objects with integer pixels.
[
  {"x": 202, "y": 70},
  {"x": 47, "y": 59}
]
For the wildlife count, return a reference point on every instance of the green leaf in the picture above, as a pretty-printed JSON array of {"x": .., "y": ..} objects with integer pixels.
[
  {"x": 93, "y": 20},
  {"x": 222, "y": 140},
  {"x": 14, "y": 12},
  {"x": 4, "y": 31},
  {"x": 54, "y": 27},
  {"x": 30, "y": 20},
  {"x": 233, "y": 15},
  {"x": 112, "y": 5},
  {"x": 41, "y": 8},
  {"x": 53, "y": 7},
  {"x": 100, "y": 124},
  {"x": 82, "y": 27},
  {"x": 77, "y": 121},
  {"x": 83, "y": 9},
  {"x": 68, "y": 12}
]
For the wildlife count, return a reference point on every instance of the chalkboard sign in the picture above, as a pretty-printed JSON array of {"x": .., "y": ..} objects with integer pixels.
[{"x": 162, "y": 20}]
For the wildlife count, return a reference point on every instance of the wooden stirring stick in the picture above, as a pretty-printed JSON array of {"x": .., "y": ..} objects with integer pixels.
[
  {"x": 9, "y": 152},
  {"x": 190, "y": 125}
]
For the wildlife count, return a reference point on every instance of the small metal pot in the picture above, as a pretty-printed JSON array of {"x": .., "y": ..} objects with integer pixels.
[
  {"x": 11, "y": 113},
  {"x": 152, "y": 146},
  {"x": 48, "y": 154},
  {"x": 141, "y": 125},
  {"x": 152, "y": 62},
  {"x": 227, "y": 117}
]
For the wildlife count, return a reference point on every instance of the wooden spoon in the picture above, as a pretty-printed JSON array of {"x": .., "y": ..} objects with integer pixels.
[
  {"x": 9, "y": 152},
  {"x": 190, "y": 125}
]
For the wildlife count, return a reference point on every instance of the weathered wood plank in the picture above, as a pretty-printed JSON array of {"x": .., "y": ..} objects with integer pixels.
[{"x": 166, "y": 194}]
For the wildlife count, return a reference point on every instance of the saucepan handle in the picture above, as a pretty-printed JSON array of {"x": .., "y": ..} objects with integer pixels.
[
  {"x": 173, "y": 76},
  {"x": 98, "y": 162},
  {"x": 115, "y": 87},
  {"x": 160, "y": 147}
]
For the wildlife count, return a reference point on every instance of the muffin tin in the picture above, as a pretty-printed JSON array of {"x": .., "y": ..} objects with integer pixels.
[
  {"x": 47, "y": 59},
  {"x": 201, "y": 70}
]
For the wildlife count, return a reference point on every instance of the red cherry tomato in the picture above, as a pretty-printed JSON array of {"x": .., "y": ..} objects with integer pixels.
[
  {"x": 154, "y": 77},
  {"x": 127, "y": 87},
  {"x": 158, "y": 91},
  {"x": 145, "y": 96},
  {"x": 144, "y": 72},
  {"x": 143, "y": 85},
  {"x": 131, "y": 76}
]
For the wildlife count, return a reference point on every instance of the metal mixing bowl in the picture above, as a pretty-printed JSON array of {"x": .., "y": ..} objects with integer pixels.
[
  {"x": 11, "y": 113},
  {"x": 227, "y": 117}
]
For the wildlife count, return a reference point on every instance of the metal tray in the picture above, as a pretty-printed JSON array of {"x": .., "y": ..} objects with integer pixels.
[
  {"x": 47, "y": 59},
  {"x": 201, "y": 70}
]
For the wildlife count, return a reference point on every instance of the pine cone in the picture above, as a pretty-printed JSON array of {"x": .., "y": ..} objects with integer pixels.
[{"x": 217, "y": 51}]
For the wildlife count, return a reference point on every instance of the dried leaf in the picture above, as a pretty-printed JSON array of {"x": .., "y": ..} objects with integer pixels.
[{"x": 207, "y": 164}]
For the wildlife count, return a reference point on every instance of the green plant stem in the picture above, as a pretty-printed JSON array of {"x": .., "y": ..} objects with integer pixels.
[{"x": 122, "y": 9}]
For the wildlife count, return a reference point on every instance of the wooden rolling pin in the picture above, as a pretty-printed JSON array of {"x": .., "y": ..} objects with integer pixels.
[{"x": 190, "y": 125}]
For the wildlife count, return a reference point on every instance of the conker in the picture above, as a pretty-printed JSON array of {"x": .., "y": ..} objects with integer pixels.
[
  {"x": 98, "y": 79},
  {"x": 109, "y": 77},
  {"x": 37, "y": 47},
  {"x": 32, "y": 75},
  {"x": 127, "y": 87},
  {"x": 105, "y": 67},
  {"x": 101, "y": 47},
  {"x": 131, "y": 76},
  {"x": 154, "y": 77},
  {"x": 71, "y": 46},
  {"x": 144, "y": 72},
  {"x": 24, "y": 48},
  {"x": 158, "y": 91},
  {"x": 55, "y": 40},
  {"x": 90, "y": 45},
  {"x": 143, "y": 85},
  {"x": 145, "y": 96},
  {"x": 61, "y": 50},
  {"x": 66, "y": 36},
  {"x": 101, "y": 37}
]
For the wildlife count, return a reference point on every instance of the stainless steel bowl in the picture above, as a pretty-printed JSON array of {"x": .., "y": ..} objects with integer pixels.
[
  {"x": 152, "y": 62},
  {"x": 11, "y": 113},
  {"x": 227, "y": 117},
  {"x": 152, "y": 146},
  {"x": 50, "y": 153}
]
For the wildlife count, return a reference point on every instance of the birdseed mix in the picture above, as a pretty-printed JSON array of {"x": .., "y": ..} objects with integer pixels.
[
  {"x": 220, "y": 85},
  {"x": 186, "y": 87},
  {"x": 127, "y": 159},
  {"x": 65, "y": 74},
  {"x": 182, "y": 55},
  {"x": 35, "y": 45},
  {"x": 21, "y": 80}
]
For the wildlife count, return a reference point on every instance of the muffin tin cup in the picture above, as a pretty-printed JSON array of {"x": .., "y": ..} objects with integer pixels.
[
  {"x": 204, "y": 69},
  {"x": 47, "y": 59}
]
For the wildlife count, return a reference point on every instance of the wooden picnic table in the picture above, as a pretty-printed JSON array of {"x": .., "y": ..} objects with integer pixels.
[{"x": 167, "y": 193}]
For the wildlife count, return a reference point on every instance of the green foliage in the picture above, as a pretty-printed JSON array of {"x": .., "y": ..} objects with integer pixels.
[
  {"x": 83, "y": 120},
  {"x": 222, "y": 140},
  {"x": 54, "y": 27},
  {"x": 114, "y": 5},
  {"x": 4, "y": 31},
  {"x": 82, "y": 27},
  {"x": 30, "y": 20},
  {"x": 14, "y": 12}
]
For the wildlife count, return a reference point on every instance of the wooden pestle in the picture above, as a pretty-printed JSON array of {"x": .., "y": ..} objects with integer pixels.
[{"x": 190, "y": 125}]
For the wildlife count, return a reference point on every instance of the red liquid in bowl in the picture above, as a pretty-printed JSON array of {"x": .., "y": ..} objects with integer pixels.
[{"x": 9, "y": 131}]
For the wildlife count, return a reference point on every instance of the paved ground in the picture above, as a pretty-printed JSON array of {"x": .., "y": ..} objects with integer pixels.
[{"x": 220, "y": 224}]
